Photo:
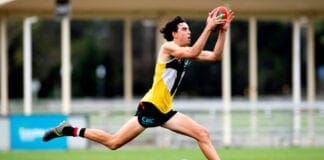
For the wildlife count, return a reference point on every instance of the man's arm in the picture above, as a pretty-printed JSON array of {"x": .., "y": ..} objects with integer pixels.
[
  {"x": 194, "y": 51},
  {"x": 216, "y": 54}
]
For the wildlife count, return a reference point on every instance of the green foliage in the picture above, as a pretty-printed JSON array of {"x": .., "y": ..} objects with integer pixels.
[
  {"x": 100, "y": 42},
  {"x": 274, "y": 57}
]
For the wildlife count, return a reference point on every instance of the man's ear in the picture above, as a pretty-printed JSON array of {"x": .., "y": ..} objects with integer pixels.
[{"x": 174, "y": 34}]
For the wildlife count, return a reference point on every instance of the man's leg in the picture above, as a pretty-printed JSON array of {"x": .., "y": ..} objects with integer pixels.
[
  {"x": 129, "y": 131},
  {"x": 182, "y": 124}
]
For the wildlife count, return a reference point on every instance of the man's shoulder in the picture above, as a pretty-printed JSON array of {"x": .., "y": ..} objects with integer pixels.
[{"x": 168, "y": 44}]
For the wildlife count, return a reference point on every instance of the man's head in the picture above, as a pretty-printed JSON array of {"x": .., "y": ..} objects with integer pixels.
[{"x": 177, "y": 29}]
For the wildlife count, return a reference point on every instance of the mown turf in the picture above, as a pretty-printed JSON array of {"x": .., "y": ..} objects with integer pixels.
[{"x": 169, "y": 154}]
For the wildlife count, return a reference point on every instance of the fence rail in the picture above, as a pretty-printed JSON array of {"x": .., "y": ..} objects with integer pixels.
[{"x": 269, "y": 122}]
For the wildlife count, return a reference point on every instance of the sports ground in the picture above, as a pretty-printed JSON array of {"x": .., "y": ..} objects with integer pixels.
[{"x": 291, "y": 153}]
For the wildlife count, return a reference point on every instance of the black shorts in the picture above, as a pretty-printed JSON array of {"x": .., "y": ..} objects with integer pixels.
[{"x": 149, "y": 116}]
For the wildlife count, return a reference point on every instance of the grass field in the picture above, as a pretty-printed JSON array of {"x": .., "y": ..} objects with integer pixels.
[{"x": 169, "y": 154}]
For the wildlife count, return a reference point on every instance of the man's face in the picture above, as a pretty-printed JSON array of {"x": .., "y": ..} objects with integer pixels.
[{"x": 182, "y": 36}]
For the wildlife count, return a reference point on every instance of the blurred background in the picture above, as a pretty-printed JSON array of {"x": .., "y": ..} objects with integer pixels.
[{"x": 91, "y": 62}]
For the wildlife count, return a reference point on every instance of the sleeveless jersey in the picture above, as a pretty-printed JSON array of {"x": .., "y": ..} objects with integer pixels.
[{"x": 167, "y": 78}]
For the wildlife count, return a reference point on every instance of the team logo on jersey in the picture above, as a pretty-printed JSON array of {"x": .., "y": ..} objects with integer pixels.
[{"x": 186, "y": 63}]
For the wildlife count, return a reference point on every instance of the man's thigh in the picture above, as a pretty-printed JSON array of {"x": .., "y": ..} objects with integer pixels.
[{"x": 183, "y": 124}]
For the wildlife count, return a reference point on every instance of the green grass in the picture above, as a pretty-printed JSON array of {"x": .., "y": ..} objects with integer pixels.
[{"x": 169, "y": 154}]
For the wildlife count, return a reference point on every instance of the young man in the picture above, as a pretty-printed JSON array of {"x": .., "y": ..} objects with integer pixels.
[{"x": 155, "y": 108}]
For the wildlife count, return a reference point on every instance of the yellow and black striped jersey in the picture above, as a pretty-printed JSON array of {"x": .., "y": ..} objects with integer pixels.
[{"x": 167, "y": 78}]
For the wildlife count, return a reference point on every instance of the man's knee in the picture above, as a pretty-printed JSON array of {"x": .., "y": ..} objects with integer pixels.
[
  {"x": 203, "y": 135},
  {"x": 113, "y": 145}
]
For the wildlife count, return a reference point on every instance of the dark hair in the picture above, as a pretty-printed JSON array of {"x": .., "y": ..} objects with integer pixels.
[{"x": 171, "y": 26}]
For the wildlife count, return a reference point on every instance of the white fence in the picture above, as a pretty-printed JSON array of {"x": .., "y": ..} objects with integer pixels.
[{"x": 270, "y": 123}]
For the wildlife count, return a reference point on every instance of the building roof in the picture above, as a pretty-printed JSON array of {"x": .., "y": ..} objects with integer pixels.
[{"x": 157, "y": 8}]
